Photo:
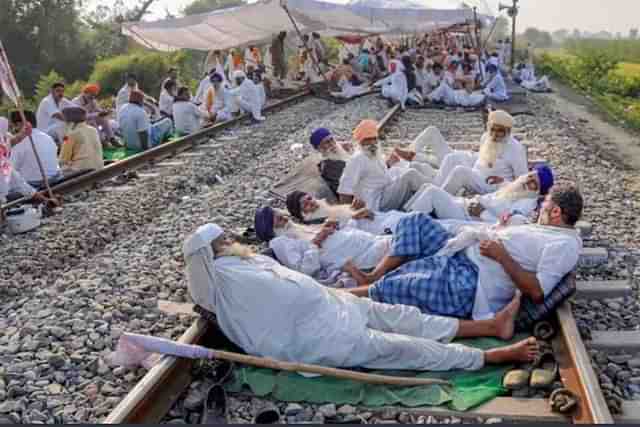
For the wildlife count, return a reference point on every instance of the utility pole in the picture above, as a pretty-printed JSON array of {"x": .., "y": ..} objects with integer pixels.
[{"x": 513, "y": 13}]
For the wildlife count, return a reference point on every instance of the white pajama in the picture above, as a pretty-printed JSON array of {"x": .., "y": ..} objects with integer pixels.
[
  {"x": 432, "y": 199},
  {"x": 395, "y": 195}
]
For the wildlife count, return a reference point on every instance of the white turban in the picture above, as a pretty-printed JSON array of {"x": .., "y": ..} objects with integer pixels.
[
  {"x": 198, "y": 255},
  {"x": 238, "y": 74},
  {"x": 500, "y": 118}
]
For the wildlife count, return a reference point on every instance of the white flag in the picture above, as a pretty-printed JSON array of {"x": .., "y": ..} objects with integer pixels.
[{"x": 7, "y": 82}]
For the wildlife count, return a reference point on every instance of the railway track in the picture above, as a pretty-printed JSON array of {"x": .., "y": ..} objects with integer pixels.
[
  {"x": 155, "y": 394},
  {"x": 168, "y": 150}
]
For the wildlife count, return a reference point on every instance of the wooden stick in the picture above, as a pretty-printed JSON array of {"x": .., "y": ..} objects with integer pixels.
[{"x": 263, "y": 362}]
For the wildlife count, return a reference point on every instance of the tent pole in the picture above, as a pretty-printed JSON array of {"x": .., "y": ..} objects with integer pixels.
[
  {"x": 476, "y": 30},
  {"x": 313, "y": 58}
]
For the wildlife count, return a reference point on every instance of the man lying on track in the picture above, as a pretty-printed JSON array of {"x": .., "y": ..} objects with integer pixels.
[
  {"x": 271, "y": 311},
  {"x": 475, "y": 273}
]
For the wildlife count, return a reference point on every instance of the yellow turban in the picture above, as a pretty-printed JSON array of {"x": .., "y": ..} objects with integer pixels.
[
  {"x": 365, "y": 130},
  {"x": 92, "y": 89},
  {"x": 500, "y": 118}
]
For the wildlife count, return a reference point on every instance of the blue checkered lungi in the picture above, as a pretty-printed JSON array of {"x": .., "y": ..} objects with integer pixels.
[{"x": 435, "y": 284}]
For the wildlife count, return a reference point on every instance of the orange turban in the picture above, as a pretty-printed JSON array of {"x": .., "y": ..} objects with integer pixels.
[
  {"x": 92, "y": 89},
  {"x": 365, "y": 130}
]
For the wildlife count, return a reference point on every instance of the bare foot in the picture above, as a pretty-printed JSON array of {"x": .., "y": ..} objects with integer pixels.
[
  {"x": 358, "y": 276},
  {"x": 506, "y": 318},
  {"x": 524, "y": 351}
]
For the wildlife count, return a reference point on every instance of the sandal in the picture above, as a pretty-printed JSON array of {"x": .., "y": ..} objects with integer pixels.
[{"x": 545, "y": 372}]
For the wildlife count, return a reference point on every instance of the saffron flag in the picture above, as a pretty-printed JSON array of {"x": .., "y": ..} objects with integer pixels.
[{"x": 7, "y": 81}]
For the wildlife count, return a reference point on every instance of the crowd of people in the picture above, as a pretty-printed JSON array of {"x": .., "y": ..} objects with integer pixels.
[{"x": 431, "y": 247}]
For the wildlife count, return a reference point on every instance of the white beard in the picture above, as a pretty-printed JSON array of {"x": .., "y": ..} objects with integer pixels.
[
  {"x": 331, "y": 212},
  {"x": 339, "y": 154},
  {"x": 237, "y": 250},
  {"x": 490, "y": 150},
  {"x": 296, "y": 231},
  {"x": 377, "y": 156},
  {"x": 516, "y": 190}
]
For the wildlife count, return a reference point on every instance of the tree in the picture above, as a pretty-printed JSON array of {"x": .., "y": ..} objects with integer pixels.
[
  {"x": 576, "y": 34},
  {"x": 204, "y": 6},
  {"x": 105, "y": 22},
  {"x": 560, "y": 36},
  {"x": 633, "y": 33},
  {"x": 538, "y": 38},
  {"x": 43, "y": 35}
]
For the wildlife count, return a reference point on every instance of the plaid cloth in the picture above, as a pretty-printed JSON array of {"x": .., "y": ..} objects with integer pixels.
[
  {"x": 436, "y": 285},
  {"x": 531, "y": 313}
]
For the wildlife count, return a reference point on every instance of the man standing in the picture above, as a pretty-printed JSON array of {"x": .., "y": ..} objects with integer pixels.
[
  {"x": 278, "y": 58},
  {"x": 367, "y": 178},
  {"x": 139, "y": 134},
  {"x": 49, "y": 114}
]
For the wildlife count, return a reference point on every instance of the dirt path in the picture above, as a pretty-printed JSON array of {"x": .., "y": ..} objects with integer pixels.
[{"x": 583, "y": 110}]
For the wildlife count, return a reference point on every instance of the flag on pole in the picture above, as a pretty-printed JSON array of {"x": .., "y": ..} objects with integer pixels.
[{"x": 7, "y": 81}]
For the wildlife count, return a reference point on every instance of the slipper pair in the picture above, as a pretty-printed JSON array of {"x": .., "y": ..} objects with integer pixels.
[
  {"x": 215, "y": 405},
  {"x": 541, "y": 375}
]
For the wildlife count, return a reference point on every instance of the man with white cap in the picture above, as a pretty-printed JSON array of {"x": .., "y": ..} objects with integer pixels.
[
  {"x": 517, "y": 198},
  {"x": 395, "y": 87},
  {"x": 271, "y": 311},
  {"x": 501, "y": 159},
  {"x": 247, "y": 95},
  {"x": 367, "y": 177}
]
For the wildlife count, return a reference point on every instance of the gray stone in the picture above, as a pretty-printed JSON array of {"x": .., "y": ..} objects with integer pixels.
[
  {"x": 194, "y": 400},
  {"x": 328, "y": 410},
  {"x": 346, "y": 410},
  {"x": 493, "y": 421},
  {"x": 293, "y": 409},
  {"x": 57, "y": 361}
]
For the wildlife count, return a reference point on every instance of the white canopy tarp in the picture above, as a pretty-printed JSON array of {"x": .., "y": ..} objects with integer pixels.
[
  {"x": 258, "y": 23},
  {"x": 255, "y": 23}
]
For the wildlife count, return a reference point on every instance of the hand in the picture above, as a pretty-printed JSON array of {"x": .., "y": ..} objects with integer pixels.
[
  {"x": 475, "y": 208},
  {"x": 364, "y": 214},
  {"x": 323, "y": 235},
  {"x": 392, "y": 159},
  {"x": 358, "y": 204},
  {"x": 504, "y": 219},
  {"x": 27, "y": 130},
  {"x": 493, "y": 249},
  {"x": 494, "y": 180}
]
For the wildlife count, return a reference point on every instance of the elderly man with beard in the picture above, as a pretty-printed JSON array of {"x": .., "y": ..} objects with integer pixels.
[
  {"x": 476, "y": 272},
  {"x": 517, "y": 198},
  {"x": 248, "y": 96},
  {"x": 367, "y": 177},
  {"x": 318, "y": 250},
  {"x": 501, "y": 159},
  {"x": 257, "y": 302}
]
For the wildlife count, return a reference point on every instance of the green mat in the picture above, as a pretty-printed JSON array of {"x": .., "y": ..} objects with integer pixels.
[
  {"x": 116, "y": 154},
  {"x": 468, "y": 390}
]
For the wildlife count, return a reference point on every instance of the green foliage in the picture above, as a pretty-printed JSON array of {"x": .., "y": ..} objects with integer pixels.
[
  {"x": 43, "y": 87},
  {"x": 622, "y": 50},
  {"x": 333, "y": 49},
  {"x": 538, "y": 38},
  {"x": 597, "y": 73}
]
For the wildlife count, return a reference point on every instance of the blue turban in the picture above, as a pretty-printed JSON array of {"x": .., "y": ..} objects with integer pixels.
[
  {"x": 491, "y": 68},
  {"x": 545, "y": 176},
  {"x": 217, "y": 77},
  {"x": 318, "y": 136},
  {"x": 264, "y": 224}
]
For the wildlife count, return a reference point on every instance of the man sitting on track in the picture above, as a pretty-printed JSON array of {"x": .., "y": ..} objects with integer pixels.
[
  {"x": 187, "y": 117},
  {"x": 248, "y": 96},
  {"x": 502, "y": 158},
  {"x": 138, "y": 132},
  {"x": 367, "y": 177},
  {"x": 517, "y": 198},
  {"x": 476, "y": 272},
  {"x": 271, "y": 311}
]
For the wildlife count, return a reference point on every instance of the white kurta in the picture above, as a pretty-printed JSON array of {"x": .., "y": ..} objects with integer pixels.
[
  {"x": 166, "y": 102},
  {"x": 395, "y": 88},
  {"x": 551, "y": 252},
  {"x": 435, "y": 200},
  {"x": 14, "y": 182},
  {"x": 46, "y": 122},
  {"x": 364, "y": 249},
  {"x": 122, "y": 98},
  {"x": 332, "y": 328},
  {"x": 497, "y": 89},
  {"x": 348, "y": 90},
  {"x": 187, "y": 117},
  {"x": 203, "y": 88},
  {"x": 248, "y": 98},
  {"x": 365, "y": 179},
  {"x": 24, "y": 160}
]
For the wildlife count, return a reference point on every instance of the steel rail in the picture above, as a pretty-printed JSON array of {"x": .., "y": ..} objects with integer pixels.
[{"x": 160, "y": 152}]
